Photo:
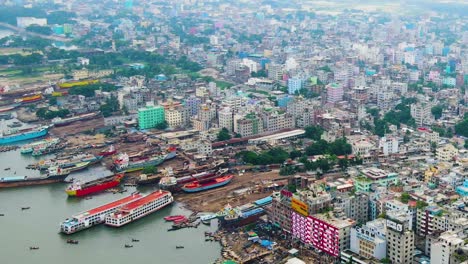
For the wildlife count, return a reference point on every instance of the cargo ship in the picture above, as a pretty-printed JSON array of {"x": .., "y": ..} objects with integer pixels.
[
  {"x": 111, "y": 151},
  {"x": 174, "y": 183},
  {"x": 66, "y": 121},
  {"x": 99, "y": 185},
  {"x": 197, "y": 186},
  {"x": 139, "y": 208},
  {"x": 242, "y": 217},
  {"x": 17, "y": 181},
  {"x": 29, "y": 148},
  {"x": 95, "y": 216},
  {"x": 13, "y": 136},
  {"x": 123, "y": 163},
  {"x": 75, "y": 167},
  {"x": 69, "y": 161}
]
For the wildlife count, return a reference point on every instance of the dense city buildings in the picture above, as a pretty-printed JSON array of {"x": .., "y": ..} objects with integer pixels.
[{"x": 349, "y": 118}]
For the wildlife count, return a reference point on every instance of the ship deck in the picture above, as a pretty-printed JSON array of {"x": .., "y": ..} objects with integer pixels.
[
  {"x": 142, "y": 201},
  {"x": 109, "y": 205}
]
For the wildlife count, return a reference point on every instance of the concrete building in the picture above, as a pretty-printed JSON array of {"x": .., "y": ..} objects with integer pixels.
[
  {"x": 334, "y": 92},
  {"x": 226, "y": 119},
  {"x": 177, "y": 117},
  {"x": 275, "y": 72},
  {"x": 446, "y": 153},
  {"x": 150, "y": 116},
  {"x": 371, "y": 176},
  {"x": 355, "y": 206},
  {"x": 443, "y": 249},
  {"x": 274, "y": 122},
  {"x": 248, "y": 126},
  {"x": 421, "y": 112},
  {"x": 280, "y": 211},
  {"x": 294, "y": 85},
  {"x": 400, "y": 238},
  {"x": 369, "y": 240},
  {"x": 330, "y": 234},
  {"x": 389, "y": 145},
  {"x": 192, "y": 104}
]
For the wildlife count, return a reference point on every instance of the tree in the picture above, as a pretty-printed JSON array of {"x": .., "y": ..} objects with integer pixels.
[
  {"x": 437, "y": 111},
  {"x": 343, "y": 163},
  {"x": 313, "y": 132},
  {"x": 405, "y": 197},
  {"x": 461, "y": 128},
  {"x": 295, "y": 154},
  {"x": 223, "y": 134},
  {"x": 53, "y": 101},
  {"x": 466, "y": 144}
]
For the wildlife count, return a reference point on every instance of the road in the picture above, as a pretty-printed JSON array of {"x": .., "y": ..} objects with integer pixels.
[{"x": 25, "y": 32}]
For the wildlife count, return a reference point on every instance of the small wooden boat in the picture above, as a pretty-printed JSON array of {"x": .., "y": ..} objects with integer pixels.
[
  {"x": 33, "y": 248},
  {"x": 128, "y": 246},
  {"x": 179, "y": 247},
  {"x": 2, "y": 214},
  {"x": 71, "y": 241},
  {"x": 174, "y": 217},
  {"x": 135, "y": 240},
  {"x": 25, "y": 208},
  {"x": 7, "y": 168}
]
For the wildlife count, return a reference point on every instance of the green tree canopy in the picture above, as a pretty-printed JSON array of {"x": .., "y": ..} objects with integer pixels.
[{"x": 223, "y": 134}]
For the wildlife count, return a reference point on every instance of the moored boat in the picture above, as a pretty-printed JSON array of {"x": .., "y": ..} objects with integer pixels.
[
  {"x": 66, "y": 121},
  {"x": 13, "y": 136},
  {"x": 17, "y": 181},
  {"x": 197, "y": 186},
  {"x": 123, "y": 163},
  {"x": 99, "y": 185},
  {"x": 95, "y": 216},
  {"x": 139, "y": 208},
  {"x": 109, "y": 152},
  {"x": 173, "y": 217}
]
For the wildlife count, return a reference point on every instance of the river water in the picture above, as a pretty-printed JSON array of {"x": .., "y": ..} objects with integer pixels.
[{"x": 39, "y": 226}]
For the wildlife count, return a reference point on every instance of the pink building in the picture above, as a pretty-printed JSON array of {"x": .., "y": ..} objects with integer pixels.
[{"x": 334, "y": 92}]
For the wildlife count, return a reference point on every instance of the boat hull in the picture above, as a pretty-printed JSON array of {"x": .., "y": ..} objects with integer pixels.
[
  {"x": 93, "y": 189},
  {"x": 23, "y": 136},
  {"x": 33, "y": 182},
  {"x": 140, "y": 166},
  {"x": 208, "y": 187}
]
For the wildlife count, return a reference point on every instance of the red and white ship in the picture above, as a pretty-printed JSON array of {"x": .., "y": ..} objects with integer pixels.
[
  {"x": 95, "y": 216},
  {"x": 139, "y": 208}
]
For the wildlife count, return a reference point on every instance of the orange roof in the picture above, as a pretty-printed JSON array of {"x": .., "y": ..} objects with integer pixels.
[
  {"x": 142, "y": 201},
  {"x": 114, "y": 203}
]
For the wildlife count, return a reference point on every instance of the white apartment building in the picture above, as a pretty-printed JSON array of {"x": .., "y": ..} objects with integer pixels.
[
  {"x": 388, "y": 145},
  {"x": 421, "y": 112},
  {"x": 177, "y": 117},
  {"x": 400, "y": 238},
  {"x": 275, "y": 122},
  {"x": 446, "y": 153},
  {"x": 226, "y": 119},
  {"x": 368, "y": 241},
  {"x": 443, "y": 248}
]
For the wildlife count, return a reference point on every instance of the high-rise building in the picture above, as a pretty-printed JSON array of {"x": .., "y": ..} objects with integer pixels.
[
  {"x": 355, "y": 206},
  {"x": 421, "y": 112},
  {"x": 400, "y": 238},
  {"x": 226, "y": 119},
  {"x": 150, "y": 116},
  {"x": 334, "y": 92},
  {"x": 369, "y": 240},
  {"x": 443, "y": 249},
  {"x": 294, "y": 85}
]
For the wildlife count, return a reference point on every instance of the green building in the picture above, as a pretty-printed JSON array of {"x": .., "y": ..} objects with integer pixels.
[
  {"x": 370, "y": 176},
  {"x": 150, "y": 116}
]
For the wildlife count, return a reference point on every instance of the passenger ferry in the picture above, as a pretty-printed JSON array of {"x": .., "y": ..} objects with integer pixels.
[
  {"x": 95, "y": 216},
  {"x": 139, "y": 208}
]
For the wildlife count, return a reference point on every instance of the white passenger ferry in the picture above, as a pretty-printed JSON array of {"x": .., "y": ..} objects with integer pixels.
[
  {"x": 139, "y": 208},
  {"x": 95, "y": 216}
]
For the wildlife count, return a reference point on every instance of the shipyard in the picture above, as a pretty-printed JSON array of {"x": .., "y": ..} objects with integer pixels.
[{"x": 234, "y": 132}]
